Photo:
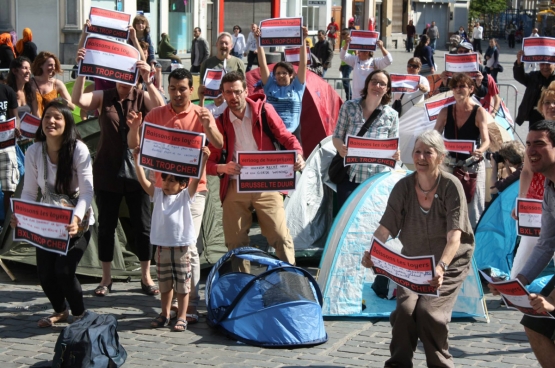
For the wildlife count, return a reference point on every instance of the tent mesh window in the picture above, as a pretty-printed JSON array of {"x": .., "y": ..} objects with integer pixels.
[{"x": 286, "y": 287}]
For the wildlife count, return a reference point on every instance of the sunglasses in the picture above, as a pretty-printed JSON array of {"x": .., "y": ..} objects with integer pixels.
[
  {"x": 413, "y": 66},
  {"x": 465, "y": 51}
]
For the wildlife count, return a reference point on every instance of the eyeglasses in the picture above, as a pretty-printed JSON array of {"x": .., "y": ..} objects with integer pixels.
[
  {"x": 237, "y": 92},
  {"x": 235, "y": 29},
  {"x": 463, "y": 51},
  {"x": 378, "y": 83},
  {"x": 548, "y": 103},
  {"x": 460, "y": 86},
  {"x": 413, "y": 66}
]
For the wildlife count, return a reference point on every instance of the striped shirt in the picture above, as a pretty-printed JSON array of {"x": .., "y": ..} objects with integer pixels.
[
  {"x": 286, "y": 100},
  {"x": 351, "y": 121}
]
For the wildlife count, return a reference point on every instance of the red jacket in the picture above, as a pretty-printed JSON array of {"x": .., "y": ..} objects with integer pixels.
[{"x": 264, "y": 143}]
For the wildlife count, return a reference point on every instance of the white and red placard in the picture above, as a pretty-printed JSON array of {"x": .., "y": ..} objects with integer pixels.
[
  {"x": 371, "y": 151},
  {"x": 515, "y": 296},
  {"x": 529, "y": 213},
  {"x": 212, "y": 82},
  {"x": 281, "y": 32},
  {"x": 293, "y": 55},
  {"x": 28, "y": 125},
  {"x": 413, "y": 273},
  {"x": 538, "y": 50},
  {"x": 433, "y": 108},
  {"x": 462, "y": 63},
  {"x": 109, "y": 59},
  {"x": 404, "y": 83},
  {"x": 172, "y": 151},
  {"x": 363, "y": 40},
  {"x": 109, "y": 23},
  {"x": 460, "y": 146},
  {"x": 42, "y": 225},
  {"x": 266, "y": 171},
  {"x": 7, "y": 133}
]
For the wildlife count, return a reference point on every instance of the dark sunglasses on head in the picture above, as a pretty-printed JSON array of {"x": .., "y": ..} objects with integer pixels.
[{"x": 413, "y": 66}]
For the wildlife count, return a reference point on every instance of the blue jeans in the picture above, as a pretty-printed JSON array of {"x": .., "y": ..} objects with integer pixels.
[
  {"x": 410, "y": 43},
  {"x": 345, "y": 74},
  {"x": 433, "y": 43}
]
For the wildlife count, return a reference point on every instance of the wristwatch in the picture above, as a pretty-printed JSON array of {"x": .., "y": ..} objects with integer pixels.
[{"x": 443, "y": 265}]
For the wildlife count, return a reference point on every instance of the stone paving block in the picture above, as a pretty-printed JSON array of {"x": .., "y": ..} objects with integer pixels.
[
  {"x": 294, "y": 362},
  {"x": 6, "y": 358},
  {"x": 353, "y": 350},
  {"x": 260, "y": 363},
  {"x": 351, "y": 362},
  {"x": 280, "y": 353},
  {"x": 520, "y": 361},
  {"x": 340, "y": 354},
  {"x": 244, "y": 348},
  {"x": 12, "y": 365}
]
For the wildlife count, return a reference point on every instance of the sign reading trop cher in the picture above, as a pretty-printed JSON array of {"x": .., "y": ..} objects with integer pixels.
[
  {"x": 109, "y": 23},
  {"x": 281, "y": 32}
]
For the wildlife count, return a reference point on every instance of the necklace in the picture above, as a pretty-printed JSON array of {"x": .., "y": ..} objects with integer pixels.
[{"x": 425, "y": 192}]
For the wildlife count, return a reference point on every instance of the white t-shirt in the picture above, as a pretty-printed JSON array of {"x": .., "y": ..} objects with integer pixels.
[
  {"x": 477, "y": 32},
  {"x": 362, "y": 68},
  {"x": 411, "y": 99},
  {"x": 172, "y": 222}
]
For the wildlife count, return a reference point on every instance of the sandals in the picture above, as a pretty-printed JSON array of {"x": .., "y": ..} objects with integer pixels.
[
  {"x": 180, "y": 325},
  {"x": 102, "y": 290},
  {"x": 150, "y": 289},
  {"x": 160, "y": 321},
  {"x": 192, "y": 318},
  {"x": 53, "y": 318}
]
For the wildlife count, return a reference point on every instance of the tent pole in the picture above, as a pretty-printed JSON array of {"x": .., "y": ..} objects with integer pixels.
[{"x": 7, "y": 270}]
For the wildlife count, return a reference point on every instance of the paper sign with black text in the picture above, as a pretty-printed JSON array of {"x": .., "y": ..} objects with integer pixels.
[
  {"x": 109, "y": 59},
  {"x": 433, "y": 108},
  {"x": 281, "y": 32},
  {"x": 538, "y": 50},
  {"x": 515, "y": 296},
  {"x": 212, "y": 82},
  {"x": 42, "y": 225},
  {"x": 371, "y": 151},
  {"x": 266, "y": 171},
  {"x": 109, "y": 23},
  {"x": 29, "y": 125},
  {"x": 404, "y": 83},
  {"x": 529, "y": 213},
  {"x": 460, "y": 146},
  {"x": 363, "y": 40},
  {"x": 172, "y": 151},
  {"x": 293, "y": 55},
  {"x": 7, "y": 133},
  {"x": 462, "y": 63},
  {"x": 413, "y": 273}
]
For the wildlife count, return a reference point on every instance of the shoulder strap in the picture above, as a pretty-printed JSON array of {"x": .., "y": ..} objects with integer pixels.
[
  {"x": 369, "y": 122},
  {"x": 122, "y": 124},
  {"x": 266, "y": 127}
]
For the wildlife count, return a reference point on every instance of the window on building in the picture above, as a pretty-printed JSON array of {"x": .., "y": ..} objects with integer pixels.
[
  {"x": 180, "y": 24},
  {"x": 311, "y": 16}
]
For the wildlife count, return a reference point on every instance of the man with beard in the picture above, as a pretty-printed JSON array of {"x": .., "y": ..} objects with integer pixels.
[
  {"x": 182, "y": 114},
  {"x": 241, "y": 125},
  {"x": 199, "y": 51},
  {"x": 222, "y": 60}
]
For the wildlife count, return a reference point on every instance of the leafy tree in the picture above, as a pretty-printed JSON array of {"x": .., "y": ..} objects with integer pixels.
[{"x": 480, "y": 7}]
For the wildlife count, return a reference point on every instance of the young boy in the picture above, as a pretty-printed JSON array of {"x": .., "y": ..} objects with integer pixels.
[{"x": 172, "y": 231}]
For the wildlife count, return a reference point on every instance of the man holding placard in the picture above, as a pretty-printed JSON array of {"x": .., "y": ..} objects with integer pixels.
[
  {"x": 243, "y": 126},
  {"x": 540, "y": 150}
]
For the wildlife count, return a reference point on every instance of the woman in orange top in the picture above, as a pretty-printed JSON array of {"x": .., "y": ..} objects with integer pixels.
[{"x": 46, "y": 86}]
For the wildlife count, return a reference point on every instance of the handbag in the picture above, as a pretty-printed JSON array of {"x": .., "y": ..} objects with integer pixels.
[
  {"x": 337, "y": 170},
  {"x": 127, "y": 168},
  {"x": 500, "y": 68},
  {"x": 468, "y": 181},
  {"x": 398, "y": 105},
  {"x": 63, "y": 200}
]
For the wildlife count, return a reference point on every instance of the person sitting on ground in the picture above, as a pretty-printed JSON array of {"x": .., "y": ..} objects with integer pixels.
[
  {"x": 511, "y": 156},
  {"x": 425, "y": 53},
  {"x": 166, "y": 50}
]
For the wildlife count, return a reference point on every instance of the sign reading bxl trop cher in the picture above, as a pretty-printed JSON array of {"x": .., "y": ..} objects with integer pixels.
[
  {"x": 538, "y": 50},
  {"x": 111, "y": 60},
  {"x": 462, "y": 63},
  {"x": 7, "y": 133},
  {"x": 266, "y": 171},
  {"x": 172, "y": 151},
  {"x": 529, "y": 213},
  {"x": 293, "y": 55},
  {"x": 109, "y": 23},
  {"x": 363, "y": 40},
  {"x": 404, "y": 83},
  {"x": 29, "y": 125},
  {"x": 433, "y": 108},
  {"x": 371, "y": 151},
  {"x": 212, "y": 82},
  {"x": 281, "y": 32}
]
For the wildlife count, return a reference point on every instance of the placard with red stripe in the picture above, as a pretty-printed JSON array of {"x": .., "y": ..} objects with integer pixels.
[
  {"x": 266, "y": 171},
  {"x": 460, "y": 146},
  {"x": 538, "y": 50},
  {"x": 7, "y": 133},
  {"x": 109, "y": 59},
  {"x": 42, "y": 225},
  {"x": 172, "y": 151},
  {"x": 371, "y": 151},
  {"x": 281, "y": 32},
  {"x": 433, "y": 108},
  {"x": 363, "y": 40},
  {"x": 212, "y": 82},
  {"x": 29, "y": 125},
  {"x": 293, "y": 55},
  {"x": 413, "y": 273},
  {"x": 515, "y": 296},
  {"x": 462, "y": 63},
  {"x": 405, "y": 83},
  {"x": 109, "y": 23},
  {"x": 529, "y": 213}
]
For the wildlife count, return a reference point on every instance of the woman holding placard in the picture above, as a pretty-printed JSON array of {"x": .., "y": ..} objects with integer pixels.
[
  {"x": 466, "y": 120},
  {"x": 410, "y": 99},
  {"x": 369, "y": 117},
  {"x": 60, "y": 165},
  {"x": 428, "y": 212},
  {"x": 46, "y": 86}
]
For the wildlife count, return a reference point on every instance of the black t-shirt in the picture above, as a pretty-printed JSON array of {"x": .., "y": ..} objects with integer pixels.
[{"x": 8, "y": 101}]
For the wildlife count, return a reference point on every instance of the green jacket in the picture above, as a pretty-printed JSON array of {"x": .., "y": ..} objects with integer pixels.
[{"x": 165, "y": 49}]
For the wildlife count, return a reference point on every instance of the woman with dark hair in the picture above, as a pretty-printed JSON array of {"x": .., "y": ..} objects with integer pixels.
[
  {"x": 466, "y": 120},
  {"x": 59, "y": 163},
  {"x": 426, "y": 56},
  {"x": 353, "y": 115},
  {"x": 19, "y": 78},
  {"x": 46, "y": 86},
  {"x": 26, "y": 47},
  {"x": 283, "y": 88},
  {"x": 239, "y": 43},
  {"x": 492, "y": 59}
]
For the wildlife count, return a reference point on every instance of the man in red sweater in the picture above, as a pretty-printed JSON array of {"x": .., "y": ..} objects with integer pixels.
[
  {"x": 332, "y": 31},
  {"x": 241, "y": 126}
]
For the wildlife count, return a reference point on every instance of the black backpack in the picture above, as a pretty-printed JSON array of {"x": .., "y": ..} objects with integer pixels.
[{"x": 91, "y": 342}]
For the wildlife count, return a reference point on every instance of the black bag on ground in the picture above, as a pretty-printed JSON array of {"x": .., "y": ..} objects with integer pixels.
[
  {"x": 91, "y": 342},
  {"x": 384, "y": 287},
  {"x": 337, "y": 171}
]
